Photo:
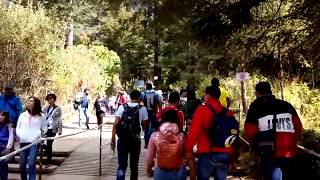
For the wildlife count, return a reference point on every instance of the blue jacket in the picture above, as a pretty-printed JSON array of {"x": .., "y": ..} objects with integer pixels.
[{"x": 11, "y": 104}]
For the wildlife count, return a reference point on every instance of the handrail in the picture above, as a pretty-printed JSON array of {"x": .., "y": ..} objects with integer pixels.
[
  {"x": 2, "y": 158},
  {"x": 311, "y": 152}
]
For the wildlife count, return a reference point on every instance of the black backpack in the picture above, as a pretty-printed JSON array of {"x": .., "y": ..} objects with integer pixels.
[
  {"x": 129, "y": 126},
  {"x": 224, "y": 130}
]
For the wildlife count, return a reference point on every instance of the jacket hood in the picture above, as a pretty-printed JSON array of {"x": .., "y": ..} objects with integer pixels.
[{"x": 167, "y": 127}]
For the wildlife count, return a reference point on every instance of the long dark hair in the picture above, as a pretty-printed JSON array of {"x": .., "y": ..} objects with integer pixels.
[
  {"x": 37, "y": 110},
  {"x": 172, "y": 117},
  {"x": 6, "y": 117}
]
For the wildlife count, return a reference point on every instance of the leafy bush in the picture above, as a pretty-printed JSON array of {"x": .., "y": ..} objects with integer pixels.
[{"x": 33, "y": 56}]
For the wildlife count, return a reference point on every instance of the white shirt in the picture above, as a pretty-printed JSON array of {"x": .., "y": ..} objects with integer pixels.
[
  {"x": 143, "y": 113},
  {"x": 29, "y": 127}
]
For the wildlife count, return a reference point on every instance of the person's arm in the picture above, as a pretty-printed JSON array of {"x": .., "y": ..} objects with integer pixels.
[
  {"x": 95, "y": 105},
  {"x": 144, "y": 118},
  {"x": 114, "y": 132},
  {"x": 297, "y": 124},
  {"x": 59, "y": 119},
  {"x": 18, "y": 128},
  {"x": 114, "y": 127},
  {"x": 251, "y": 124},
  {"x": 228, "y": 102},
  {"x": 151, "y": 155},
  {"x": 181, "y": 117},
  {"x": 11, "y": 138},
  {"x": 19, "y": 107},
  {"x": 192, "y": 137}
]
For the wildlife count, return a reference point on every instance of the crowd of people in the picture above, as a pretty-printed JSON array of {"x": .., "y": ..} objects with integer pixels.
[
  {"x": 175, "y": 133},
  {"x": 25, "y": 126}
]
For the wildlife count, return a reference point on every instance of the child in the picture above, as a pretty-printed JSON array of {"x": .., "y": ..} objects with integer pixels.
[{"x": 6, "y": 142}]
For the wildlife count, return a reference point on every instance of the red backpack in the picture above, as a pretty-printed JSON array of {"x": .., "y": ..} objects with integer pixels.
[{"x": 169, "y": 151}]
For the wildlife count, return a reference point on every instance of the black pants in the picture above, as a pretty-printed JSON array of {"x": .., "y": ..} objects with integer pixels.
[
  {"x": 286, "y": 165},
  {"x": 125, "y": 148},
  {"x": 48, "y": 147},
  {"x": 100, "y": 116}
]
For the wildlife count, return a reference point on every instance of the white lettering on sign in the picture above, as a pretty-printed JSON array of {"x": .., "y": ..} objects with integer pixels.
[{"x": 284, "y": 123}]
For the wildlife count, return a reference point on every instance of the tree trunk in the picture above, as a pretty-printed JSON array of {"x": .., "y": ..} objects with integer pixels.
[
  {"x": 6, "y": 3},
  {"x": 69, "y": 34},
  {"x": 157, "y": 74}
]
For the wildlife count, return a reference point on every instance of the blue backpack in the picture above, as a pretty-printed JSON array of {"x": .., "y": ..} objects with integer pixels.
[{"x": 224, "y": 130}]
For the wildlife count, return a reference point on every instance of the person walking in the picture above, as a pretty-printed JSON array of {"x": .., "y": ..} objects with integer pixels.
[
  {"x": 190, "y": 107},
  {"x": 11, "y": 103},
  {"x": 54, "y": 123},
  {"x": 166, "y": 146},
  {"x": 6, "y": 142},
  {"x": 84, "y": 108},
  {"x": 214, "y": 154},
  {"x": 31, "y": 127},
  {"x": 127, "y": 126},
  {"x": 274, "y": 128},
  {"x": 100, "y": 106},
  {"x": 224, "y": 95},
  {"x": 173, "y": 104},
  {"x": 152, "y": 102}
]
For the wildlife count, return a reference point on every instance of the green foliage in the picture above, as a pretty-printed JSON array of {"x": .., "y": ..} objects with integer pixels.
[
  {"x": 26, "y": 37},
  {"x": 33, "y": 56},
  {"x": 95, "y": 66}
]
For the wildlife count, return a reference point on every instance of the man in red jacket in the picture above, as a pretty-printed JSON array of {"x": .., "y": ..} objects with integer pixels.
[
  {"x": 212, "y": 160},
  {"x": 273, "y": 127}
]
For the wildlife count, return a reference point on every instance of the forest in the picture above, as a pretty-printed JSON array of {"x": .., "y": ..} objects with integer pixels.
[{"x": 61, "y": 45}]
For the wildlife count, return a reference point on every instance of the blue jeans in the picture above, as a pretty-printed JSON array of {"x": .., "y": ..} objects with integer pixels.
[
  {"x": 126, "y": 147},
  {"x": 279, "y": 168},
  {"x": 215, "y": 164},
  {"x": 28, "y": 156},
  {"x": 3, "y": 168},
  {"x": 160, "y": 174},
  {"x": 151, "y": 125},
  {"x": 83, "y": 115}
]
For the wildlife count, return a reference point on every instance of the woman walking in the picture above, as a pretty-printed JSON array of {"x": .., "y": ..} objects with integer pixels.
[
  {"x": 31, "y": 126},
  {"x": 166, "y": 146},
  {"x": 6, "y": 142},
  {"x": 54, "y": 123}
]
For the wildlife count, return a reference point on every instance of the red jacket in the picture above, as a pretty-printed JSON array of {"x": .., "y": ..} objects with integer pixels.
[
  {"x": 180, "y": 114},
  {"x": 200, "y": 124},
  {"x": 259, "y": 124}
]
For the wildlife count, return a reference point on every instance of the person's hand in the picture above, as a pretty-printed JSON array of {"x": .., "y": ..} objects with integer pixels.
[
  {"x": 5, "y": 152},
  {"x": 113, "y": 145}
]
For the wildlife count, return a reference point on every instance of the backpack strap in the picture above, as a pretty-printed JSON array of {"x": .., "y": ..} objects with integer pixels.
[
  {"x": 126, "y": 106},
  {"x": 211, "y": 108}
]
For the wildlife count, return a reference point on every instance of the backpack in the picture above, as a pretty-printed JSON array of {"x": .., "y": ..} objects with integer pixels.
[
  {"x": 224, "y": 130},
  {"x": 129, "y": 126},
  {"x": 169, "y": 152},
  {"x": 150, "y": 100},
  {"x": 76, "y": 104}
]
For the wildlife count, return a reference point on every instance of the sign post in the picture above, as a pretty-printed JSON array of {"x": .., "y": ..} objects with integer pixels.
[{"x": 243, "y": 76}]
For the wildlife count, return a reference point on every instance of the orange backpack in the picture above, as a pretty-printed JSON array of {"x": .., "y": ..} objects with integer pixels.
[{"x": 169, "y": 151}]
